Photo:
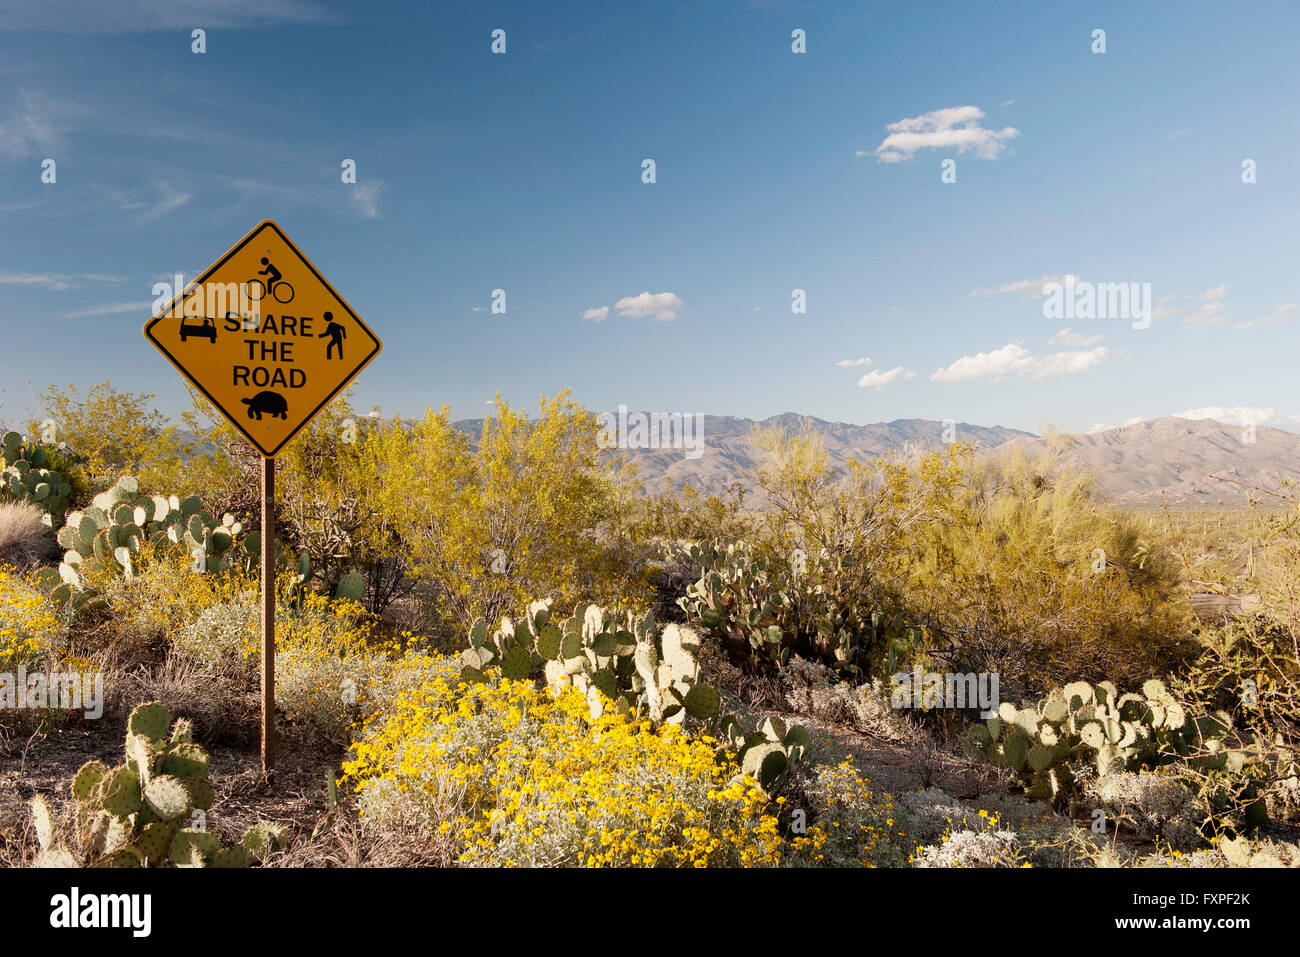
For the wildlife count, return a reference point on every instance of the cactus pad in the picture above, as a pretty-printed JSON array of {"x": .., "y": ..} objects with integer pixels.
[
  {"x": 150, "y": 720},
  {"x": 167, "y": 797}
]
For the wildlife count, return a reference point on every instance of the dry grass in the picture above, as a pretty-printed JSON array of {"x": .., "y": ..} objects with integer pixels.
[
  {"x": 221, "y": 707},
  {"x": 25, "y": 539}
]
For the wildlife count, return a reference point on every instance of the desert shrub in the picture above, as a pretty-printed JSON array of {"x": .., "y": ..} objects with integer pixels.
[
  {"x": 520, "y": 514},
  {"x": 331, "y": 667},
  {"x": 987, "y": 565},
  {"x": 146, "y": 610},
  {"x": 852, "y": 827},
  {"x": 687, "y": 514},
  {"x": 517, "y": 776},
  {"x": 1249, "y": 668},
  {"x": 1030, "y": 577},
  {"x": 1153, "y": 804},
  {"x": 814, "y": 689},
  {"x": 974, "y": 841},
  {"x": 1041, "y": 839},
  {"x": 25, "y": 539}
]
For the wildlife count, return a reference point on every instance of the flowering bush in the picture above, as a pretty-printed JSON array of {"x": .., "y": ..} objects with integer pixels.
[
  {"x": 510, "y": 775},
  {"x": 853, "y": 826},
  {"x": 28, "y": 624}
]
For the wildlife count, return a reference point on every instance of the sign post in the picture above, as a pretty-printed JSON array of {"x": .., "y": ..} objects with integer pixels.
[
  {"x": 268, "y": 618},
  {"x": 267, "y": 340}
]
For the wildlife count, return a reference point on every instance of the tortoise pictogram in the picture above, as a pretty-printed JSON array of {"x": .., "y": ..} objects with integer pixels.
[{"x": 270, "y": 403}]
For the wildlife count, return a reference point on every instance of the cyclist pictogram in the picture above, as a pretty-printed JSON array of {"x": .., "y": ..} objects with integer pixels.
[{"x": 279, "y": 288}]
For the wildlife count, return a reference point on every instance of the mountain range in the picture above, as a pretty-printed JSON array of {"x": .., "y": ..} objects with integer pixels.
[{"x": 1159, "y": 461}]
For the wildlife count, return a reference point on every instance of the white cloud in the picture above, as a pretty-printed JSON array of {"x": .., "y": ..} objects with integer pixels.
[
  {"x": 662, "y": 306},
  {"x": 1232, "y": 414},
  {"x": 955, "y": 127},
  {"x": 1218, "y": 292},
  {"x": 1015, "y": 359},
  {"x": 1165, "y": 308},
  {"x": 877, "y": 378},
  {"x": 596, "y": 315},
  {"x": 1207, "y": 316},
  {"x": 1033, "y": 287},
  {"x": 852, "y": 363},
  {"x": 1102, "y": 427},
  {"x": 1068, "y": 337}
]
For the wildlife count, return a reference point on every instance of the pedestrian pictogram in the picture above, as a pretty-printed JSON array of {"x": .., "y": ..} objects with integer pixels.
[{"x": 264, "y": 337}]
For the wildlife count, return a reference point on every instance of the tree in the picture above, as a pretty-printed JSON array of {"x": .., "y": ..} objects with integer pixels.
[{"x": 114, "y": 433}]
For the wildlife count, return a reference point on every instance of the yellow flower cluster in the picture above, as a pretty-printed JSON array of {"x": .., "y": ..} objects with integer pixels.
[
  {"x": 854, "y": 827},
  {"x": 28, "y": 623},
  {"x": 164, "y": 594},
  {"x": 518, "y": 777}
]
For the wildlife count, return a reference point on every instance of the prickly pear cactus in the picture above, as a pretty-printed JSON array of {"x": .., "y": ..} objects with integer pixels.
[
  {"x": 633, "y": 666},
  {"x": 766, "y": 609},
  {"x": 26, "y": 478},
  {"x": 138, "y": 814},
  {"x": 1081, "y": 724},
  {"x": 108, "y": 537}
]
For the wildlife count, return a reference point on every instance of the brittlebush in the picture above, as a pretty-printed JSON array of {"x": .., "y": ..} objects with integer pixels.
[
  {"x": 512, "y": 776},
  {"x": 27, "y": 621}
]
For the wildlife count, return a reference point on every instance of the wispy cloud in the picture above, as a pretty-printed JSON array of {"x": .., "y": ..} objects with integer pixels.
[
  {"x": 53, "y": 280},
  {"x": 367, "y": 195},
  {"x": 1014, "y": 359},
  {"x": 141, "y": 16},
  {"x": 37, "y": 124},
  {"x": 1068, "y": 337},
  {"x": 955, "y": 127},
  {"x": 112, "y": 308},
  {"x": 852, "y": 363},
  {"x": 599, "y": 314},
  {"x": 1031, "y": 287},
  {"x": 1281, "y": 315},
  {"x": 1212, "y": 313},
  {"x": 878, "y": 378}
]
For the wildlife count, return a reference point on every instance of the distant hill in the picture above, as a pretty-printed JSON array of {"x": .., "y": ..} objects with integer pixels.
[
  {"x": 729, "y": 456},
  {"x": 1147, "y": 464},
  {"x": 1169, "y": 460}
]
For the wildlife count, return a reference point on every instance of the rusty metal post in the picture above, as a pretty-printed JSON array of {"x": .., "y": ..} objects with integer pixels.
[{"x": 268, "y": 618}]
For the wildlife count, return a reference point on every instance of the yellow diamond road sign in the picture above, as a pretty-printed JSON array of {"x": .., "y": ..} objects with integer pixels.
[{"x": 265, "y": 337}]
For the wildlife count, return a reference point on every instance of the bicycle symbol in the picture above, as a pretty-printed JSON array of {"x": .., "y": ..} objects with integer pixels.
[{"x": 281, "y": 291}]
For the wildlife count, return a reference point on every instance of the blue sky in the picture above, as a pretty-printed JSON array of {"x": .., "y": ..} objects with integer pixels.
[{"x": 523, "y": 172}]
